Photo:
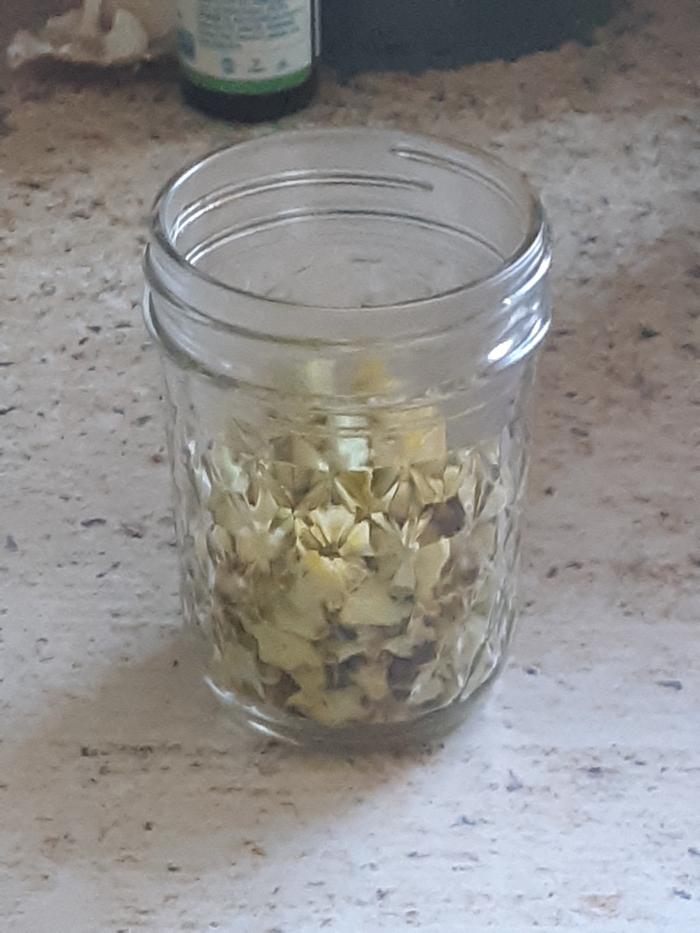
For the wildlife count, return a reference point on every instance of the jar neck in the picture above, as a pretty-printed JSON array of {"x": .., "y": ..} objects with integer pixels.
[
  {"x": 443, "y": 342},
  {"x": 325, "y": 201}
]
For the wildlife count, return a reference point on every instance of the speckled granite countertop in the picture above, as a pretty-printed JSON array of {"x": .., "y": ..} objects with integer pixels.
[{"x": 570, "y": 801}]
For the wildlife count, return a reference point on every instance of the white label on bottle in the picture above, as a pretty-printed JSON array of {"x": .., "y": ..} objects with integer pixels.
[{"x": 254, "y": 46}]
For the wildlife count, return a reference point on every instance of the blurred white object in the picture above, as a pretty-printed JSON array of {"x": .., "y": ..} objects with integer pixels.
[{"x": 100, "y": 32}]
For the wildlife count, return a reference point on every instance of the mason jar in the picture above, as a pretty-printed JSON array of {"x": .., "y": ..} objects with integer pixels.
[{"x": 348, "y": 322}]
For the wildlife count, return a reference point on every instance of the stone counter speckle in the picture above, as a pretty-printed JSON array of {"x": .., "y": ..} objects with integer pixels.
[{"x": 570, "y": 800}]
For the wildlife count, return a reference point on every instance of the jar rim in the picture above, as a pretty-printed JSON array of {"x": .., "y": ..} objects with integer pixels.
[{"x": 527, "y": 262}]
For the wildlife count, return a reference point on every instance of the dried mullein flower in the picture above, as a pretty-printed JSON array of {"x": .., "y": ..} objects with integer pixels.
[{"x": 353, "y": 572}]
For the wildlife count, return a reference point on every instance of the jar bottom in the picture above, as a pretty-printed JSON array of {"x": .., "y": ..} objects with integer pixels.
[
  {"x": 368, "y": 737},
  {"x": 426, "y": 729}
]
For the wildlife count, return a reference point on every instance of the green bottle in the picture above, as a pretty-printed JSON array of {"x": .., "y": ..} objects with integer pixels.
[{"x": 248, "y": 60}]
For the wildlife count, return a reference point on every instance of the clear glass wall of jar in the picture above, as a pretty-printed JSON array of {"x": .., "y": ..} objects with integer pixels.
[{"x": 348, "y": 323}]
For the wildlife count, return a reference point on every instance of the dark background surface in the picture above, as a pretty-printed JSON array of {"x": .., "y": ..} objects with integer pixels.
[
  {"x": 407, "y": 35},
  {"x": 413, "y": 35}
]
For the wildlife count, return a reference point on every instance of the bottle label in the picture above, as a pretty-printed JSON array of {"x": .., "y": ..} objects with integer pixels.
[{"x": 246, "y": 46}]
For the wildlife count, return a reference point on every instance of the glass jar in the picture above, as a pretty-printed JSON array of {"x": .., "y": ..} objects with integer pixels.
[{"x": 348, "y": 323}]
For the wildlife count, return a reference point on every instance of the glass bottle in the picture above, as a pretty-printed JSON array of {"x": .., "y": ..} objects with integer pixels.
[
  {"x": 348, "y": 322},
  {"x": 248, "y": 60}
]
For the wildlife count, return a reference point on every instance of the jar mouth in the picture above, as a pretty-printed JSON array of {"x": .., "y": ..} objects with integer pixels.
[{"x": 177, "y": 258}]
